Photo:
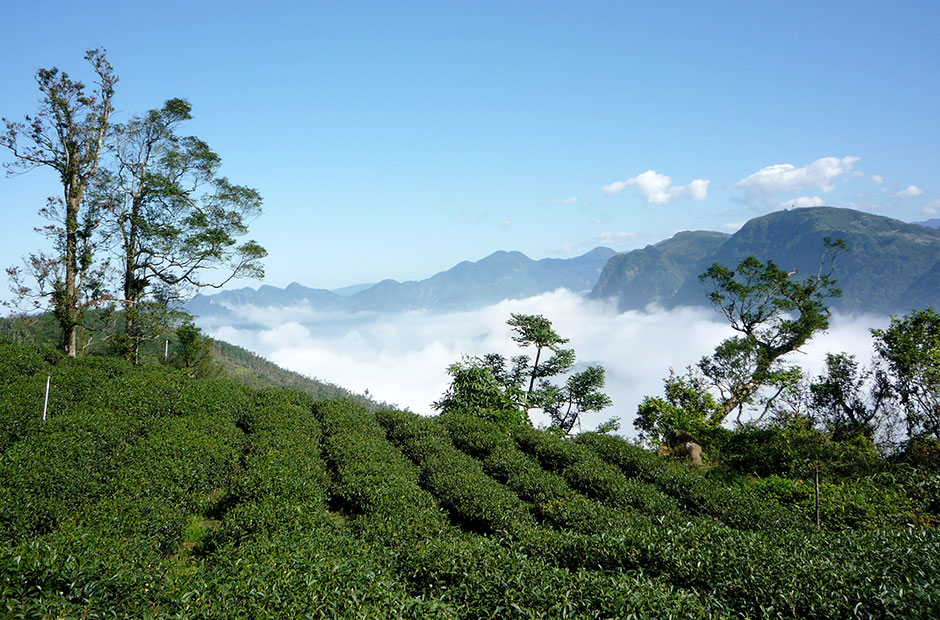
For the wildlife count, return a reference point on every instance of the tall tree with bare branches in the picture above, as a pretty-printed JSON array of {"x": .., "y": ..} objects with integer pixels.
[{"x": 68, "y": 135}]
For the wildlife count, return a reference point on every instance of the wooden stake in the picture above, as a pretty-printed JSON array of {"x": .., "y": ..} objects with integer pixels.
[{"x": 45, "y": 404}]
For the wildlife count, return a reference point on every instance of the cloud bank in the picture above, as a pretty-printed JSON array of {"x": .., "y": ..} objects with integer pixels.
[
  {"x": 786, "y": 179},
  {"x": 658, "y": 189},
  {"x": 402, "y": 358},
  {"x": 909, "y": 192}
]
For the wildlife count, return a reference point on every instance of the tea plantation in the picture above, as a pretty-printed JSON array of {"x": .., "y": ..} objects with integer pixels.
[{"x": 150, "y": 494}]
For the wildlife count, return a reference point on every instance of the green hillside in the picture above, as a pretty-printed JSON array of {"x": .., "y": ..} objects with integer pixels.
[
  {"x": 228, "y": 360},
  {"x": 147, "y": 493}
]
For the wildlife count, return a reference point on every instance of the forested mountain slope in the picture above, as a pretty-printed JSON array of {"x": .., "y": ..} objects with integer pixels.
[{"x": 891, "y": 266}]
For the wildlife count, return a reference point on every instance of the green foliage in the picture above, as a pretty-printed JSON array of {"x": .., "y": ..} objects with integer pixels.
[
  {"x": 486, "y": 387},
  {"x": 774, "y": 314},
  {"x": 911, "y": 348},
  {"x": 193, "y": 352},
  {"x": 687, "y": 406},
  {"x": 171, "y": 215},
  {"x": 697, "y": 492},
  {"x": 839, "y": 402},
  {"x": 137, "y": 190},
  {"x": 68, "y": 135},
  {"x": 793, "y": 449},
  {"x": 535, "y": 330},
  {"x": 148, "y": 489},
  {"x": 844, "y": 504},
  {"x": 580, "y": 394},
  {"x": 475, "y": 389}
]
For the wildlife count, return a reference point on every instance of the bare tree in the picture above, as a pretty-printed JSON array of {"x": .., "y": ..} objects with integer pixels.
[{"x": 68, "y": 135}]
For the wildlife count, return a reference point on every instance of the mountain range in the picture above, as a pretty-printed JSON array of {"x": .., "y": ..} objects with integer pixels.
[
  {"x": 891, "y": 266},
  {"x": 467, "y": 285}
]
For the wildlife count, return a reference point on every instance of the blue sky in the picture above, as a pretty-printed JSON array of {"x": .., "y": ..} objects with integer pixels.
[{"x": 397, "y": 139}]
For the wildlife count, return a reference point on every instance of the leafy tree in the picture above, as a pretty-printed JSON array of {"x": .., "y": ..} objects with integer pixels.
[
  {"x": 580, "y": 394},
  {"x": 535, "y": 330},
  {"x": 687, "y": 406},
  {"x": 491, "y": 388},
  {"x": 481, "y": 387},
  {"x": 68, "y": 135},
  {"x": 173, "y": 220},
  {"x": 847, "y": 400},
  {"x": 774, "y": 314},
  {"x": 193, "y": 351},
  {"x": 911, "y": 348}
]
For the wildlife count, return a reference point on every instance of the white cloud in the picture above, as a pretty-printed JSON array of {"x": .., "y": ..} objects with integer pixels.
[
  {"x": 877, "y": 178},
  {"x": 769, "y": 182},
  {"x": 506, "y": 223},
  {"x": 733, "y": 226},
  {"x": 698, "y": 189},
  {"x": 561, "y": 201},
  {"x": 909, "y": 192},
  {"x": 802, "y": 201},
  {"x": 932, "y": 208},
  {"x": 402, "y": 358},
  {"x": 658, "y": 189},
  {"x": 614, "y": 188}
]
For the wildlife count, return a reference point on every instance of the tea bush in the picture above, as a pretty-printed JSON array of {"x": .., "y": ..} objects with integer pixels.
[
  {"x": 734, "y": 505},
  {"x": 588, "y": 473}
]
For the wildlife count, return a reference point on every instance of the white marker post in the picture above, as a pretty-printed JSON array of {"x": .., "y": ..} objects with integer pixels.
[
  {"x": 166, "y": 351},
  {"x": 45, "y": 404}
]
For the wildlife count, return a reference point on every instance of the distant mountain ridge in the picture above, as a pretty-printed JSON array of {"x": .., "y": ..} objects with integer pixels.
[
  {"x": 499, "y": 276},
  {"x": 891, "y": 266}
]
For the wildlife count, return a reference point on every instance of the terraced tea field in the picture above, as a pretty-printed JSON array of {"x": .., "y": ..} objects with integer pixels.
[{"x": 149, "y": 494}]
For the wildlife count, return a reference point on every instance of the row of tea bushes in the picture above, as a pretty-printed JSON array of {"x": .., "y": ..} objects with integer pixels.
[
  {"x": 734, "y": 505},
  {"x": 473, "y": 575},
  {"x": 758, "y": 574},
  {"x": 766, "y": 503},
  {"x": 589, "y": 474},
  {"x": 276, "y": 551},
  {"x": 549, "y": 496},
  {"x": 111, "y": 554},
  {"x": 458, "y": 482}
]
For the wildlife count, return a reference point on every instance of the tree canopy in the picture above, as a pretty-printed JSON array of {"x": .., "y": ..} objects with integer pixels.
[
  {"x": 489, "y": 387},
  {"x": 774, "y": 314},
  {"x": 136, "y": 191},
  {"x": 911, "y": 348}
]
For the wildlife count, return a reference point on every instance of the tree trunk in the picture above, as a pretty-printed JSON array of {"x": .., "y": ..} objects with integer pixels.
[
  {"x": 132, "y": 289},
  {"x": 535, "y": 366},
  {"x": 68, "y": 311}
]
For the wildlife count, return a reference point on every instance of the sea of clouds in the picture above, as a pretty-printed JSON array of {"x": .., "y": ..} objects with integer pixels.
[{"x": 402, "y": 358}]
